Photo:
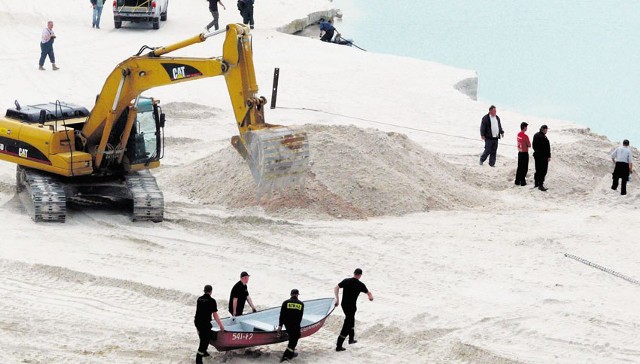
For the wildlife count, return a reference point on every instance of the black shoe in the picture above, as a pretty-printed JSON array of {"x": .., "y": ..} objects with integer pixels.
[
  {"x": 206, "y": 354},
  {"x": 294, "y": 355},
  {"x": 614, "y": 188},
  {"x": 340, "y": 348},
  {"x": 284, "y": 359},
  {"x": 543, "y": 188},
  {"x": 352, "y": 341},
  {"x": 517, "y": 182},
  {"x": 523, "y": 184}
]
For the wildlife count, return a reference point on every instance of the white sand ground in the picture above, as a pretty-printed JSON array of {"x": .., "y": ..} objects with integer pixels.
[{"x": 465, "y": 267}]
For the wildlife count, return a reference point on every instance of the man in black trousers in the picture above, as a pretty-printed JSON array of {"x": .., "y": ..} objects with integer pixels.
[
  {"x": 542, "y": 156},
  {"x": 291, "y": 316},
  {"x": 624, "y": 166},
  {"x": 205, "y": 308},
  {"x": 351, "y": 289},
  {"x": 490, "y": 132},
  {"x": 523, "y": 155}
]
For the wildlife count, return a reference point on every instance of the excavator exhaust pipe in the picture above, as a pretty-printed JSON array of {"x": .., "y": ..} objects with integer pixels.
[{"x": 277, "y": 156}]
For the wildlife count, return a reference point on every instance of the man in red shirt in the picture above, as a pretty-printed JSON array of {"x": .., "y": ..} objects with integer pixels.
[{"x": 523, "y": 155}]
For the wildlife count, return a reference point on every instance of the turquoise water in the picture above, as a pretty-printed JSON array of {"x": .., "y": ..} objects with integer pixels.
[{"x": 567, "y": 59}]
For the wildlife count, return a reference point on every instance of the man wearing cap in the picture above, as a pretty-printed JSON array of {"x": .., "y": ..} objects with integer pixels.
[
  {"x": 490, "y": 132},
  {"x": 542, "y": 157},
  {"x": 291, "y": 315},
  {"x": 351, "y": 290},
  {"x": 240, "y": 295},
  {"x": 523, "y": 155},
  {"x": 624, "y": 166},
  {"x": 206, "y": 306}
]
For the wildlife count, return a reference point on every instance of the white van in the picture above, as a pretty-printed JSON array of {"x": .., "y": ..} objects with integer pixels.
[{"x": 140, "y": 11}]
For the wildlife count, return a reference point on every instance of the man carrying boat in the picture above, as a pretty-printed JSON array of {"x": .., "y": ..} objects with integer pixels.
[
  {"x": 206, "y": 307},
  {"x": 351, "y": 290},
  {"x": 239, "y": 295},
  {"x": 291, "y": 316}
]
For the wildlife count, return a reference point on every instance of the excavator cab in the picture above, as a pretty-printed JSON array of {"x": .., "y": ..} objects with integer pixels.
[{"x": 145, "y": 144}]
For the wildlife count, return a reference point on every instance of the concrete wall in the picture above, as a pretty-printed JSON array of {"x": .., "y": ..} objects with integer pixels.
[{"x": 298, "y": 25}]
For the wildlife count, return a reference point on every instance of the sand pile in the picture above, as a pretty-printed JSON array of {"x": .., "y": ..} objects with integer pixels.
[
  {"x": 189, "y": 110},
  {"x": 355, "y": 173}
]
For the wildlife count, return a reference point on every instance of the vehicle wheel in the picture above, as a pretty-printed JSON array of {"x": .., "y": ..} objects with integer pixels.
[
  {"x": 156, "y": 23},
  {"x": 117, "y": 24},
  {"x": 163, "y": 16}
]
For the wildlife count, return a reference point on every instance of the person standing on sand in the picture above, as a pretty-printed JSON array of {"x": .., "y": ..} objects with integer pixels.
[
  {"x": 206, "y": 307},
  {"x": 239, "y": 295},
  {"x": 213, "y": 8},
  {"x": 490, "y": 132},
  {"x": 46, "y": 47},
  {"x": 542, "y": 156},
  {"x": 624, "y": 166},
  {"x": 523, "y": 155},
  {"x": 351, "y": 290},
  {"x": 97, "y": 12},
  {"x": 246, "y": 10},
  {"x": 291, "y": 314}
]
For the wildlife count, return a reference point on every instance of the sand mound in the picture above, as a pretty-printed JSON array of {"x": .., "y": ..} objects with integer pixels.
[
  {"x": 355, "y": 173},
  {"x": 189, "y": 110}
]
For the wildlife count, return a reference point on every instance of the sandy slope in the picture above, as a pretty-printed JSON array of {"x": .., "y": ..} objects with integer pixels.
[{"x": 465, "y": 267}]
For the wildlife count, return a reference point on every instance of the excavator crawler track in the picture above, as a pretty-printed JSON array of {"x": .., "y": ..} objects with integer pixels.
[
  {"x": 279, "y": 157},
  {"x": 42, "y": 195},
  {"x": 148, "y": 200}
]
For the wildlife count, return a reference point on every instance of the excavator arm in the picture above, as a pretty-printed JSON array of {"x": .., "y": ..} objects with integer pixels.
[{"x": 277, "y": 155}]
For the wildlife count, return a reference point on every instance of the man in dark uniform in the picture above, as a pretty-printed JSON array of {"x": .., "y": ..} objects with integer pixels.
[
  {"x": 206, "y": 307},
  {"x": 291, "y": 315},
  {"x": 239, "y": 295},
  {"x": 351, "y": 290},
  {"x": 542, "y": 157}
]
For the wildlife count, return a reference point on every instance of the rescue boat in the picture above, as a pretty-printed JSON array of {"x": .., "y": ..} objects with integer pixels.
[{"x": 261, "y": 328}]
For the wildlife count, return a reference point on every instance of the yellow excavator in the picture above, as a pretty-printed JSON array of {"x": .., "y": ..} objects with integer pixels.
[{"x": 67, "y": 154}]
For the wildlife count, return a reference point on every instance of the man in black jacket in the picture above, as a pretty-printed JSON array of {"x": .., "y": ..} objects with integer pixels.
[
  {"x": 205, "y": 308},
  {"x": 291, "y": 316},
  {"x": 542, "y": 156},
  {"x": 490, "y": 132}
]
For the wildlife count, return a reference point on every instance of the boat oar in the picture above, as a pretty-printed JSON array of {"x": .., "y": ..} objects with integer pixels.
[
  {"x": 353, "y": 44},
  {"x": 349, "y": 42}
]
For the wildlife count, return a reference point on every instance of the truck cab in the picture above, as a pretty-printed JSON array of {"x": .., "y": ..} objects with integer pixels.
[{"x": 138, "y": 11}]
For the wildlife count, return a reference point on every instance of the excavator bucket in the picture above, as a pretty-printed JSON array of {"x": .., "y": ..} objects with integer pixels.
[{"x": 277, "y": 156}]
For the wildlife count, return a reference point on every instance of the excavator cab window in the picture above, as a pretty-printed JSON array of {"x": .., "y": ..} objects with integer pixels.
[{"x": 146, "y": 134}]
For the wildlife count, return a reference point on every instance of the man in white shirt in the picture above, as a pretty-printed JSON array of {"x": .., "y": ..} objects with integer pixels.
[
  {"x": 624, "y": 166},
  {"x": 490, "y": 132},
  {"x": 46, "y": 46}
]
